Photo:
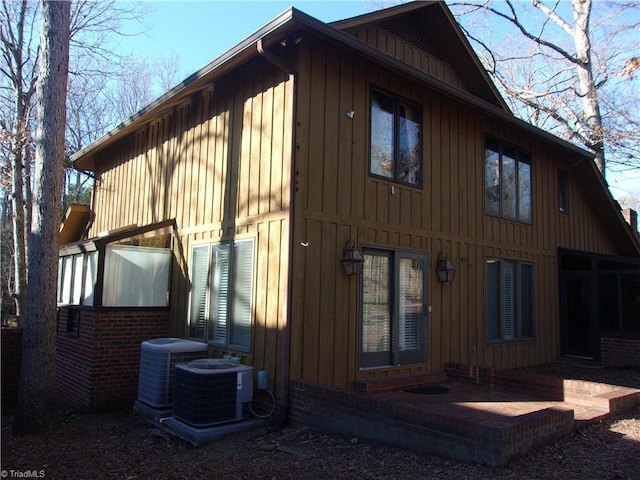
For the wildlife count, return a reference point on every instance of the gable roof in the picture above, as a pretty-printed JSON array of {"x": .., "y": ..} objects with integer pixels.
[
  {"x": 431, "y": 26},
  {"x": 488, "y": 101}
]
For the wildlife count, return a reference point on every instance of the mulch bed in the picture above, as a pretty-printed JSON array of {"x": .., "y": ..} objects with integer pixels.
[{"x": 120, "y": 445}]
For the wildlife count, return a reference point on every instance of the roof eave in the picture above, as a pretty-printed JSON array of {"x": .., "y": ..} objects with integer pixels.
[
  {"x": 83, "y": 158},
  {"x": 288, "y": 20}
]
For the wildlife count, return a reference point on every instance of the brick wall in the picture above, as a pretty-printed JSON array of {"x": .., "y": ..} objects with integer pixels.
[
  {"x": 620, "y": 352},
  {"x": 539, "y": 386},
  {"x": 373, "y": 416},
  {"x": 11, "y": 356},
  {"x": 98, "y": 356}
]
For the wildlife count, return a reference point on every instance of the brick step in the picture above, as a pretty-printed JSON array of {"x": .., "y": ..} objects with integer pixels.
[
  {"x": 626, "y": 399},
  {"x": 585, "y": 416},
  {"x": 584, "y": 400},
  {"x": 615, "y": 401}
]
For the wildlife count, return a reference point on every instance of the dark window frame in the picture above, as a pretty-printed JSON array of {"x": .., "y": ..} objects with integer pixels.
[
  {"x": 495, "y": 192},
  {"x": 395, "y": 175},
  {"x": 510, "y": 298},
  {"x": 397, "y": 354}
]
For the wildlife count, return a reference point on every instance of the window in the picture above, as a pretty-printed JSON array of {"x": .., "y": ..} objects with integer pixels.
[
  {"x": 123, "y": 269},
  {"x": 619, "y": 302},
  {"x": 393, "y": 315},
  {"x": 136, "y": 276},
  {"x": 221, "y": 301},
  {"x": 509, "y": 301},
  {"x": 73, "y": 322},
  {"x": 507, "y": 181},
  {"x": 396, "y": 139},
  {"x": 76, "y": 278},
  {"x": 563, "y": 191}
]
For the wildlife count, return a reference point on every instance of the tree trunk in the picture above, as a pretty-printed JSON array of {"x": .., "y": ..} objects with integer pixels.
[
  {"x": 586, "y": 83},
  {"x": 18, "y": 207},
  {"x": 36, "y": 410},
  {"x": 22, "y": 100}
]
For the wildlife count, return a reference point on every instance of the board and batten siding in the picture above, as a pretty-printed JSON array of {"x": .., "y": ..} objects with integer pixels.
[
  {"x": 220, "y": 164},
  {"x": 407, "y": 52},
  {"x": 337, "y": 201}
]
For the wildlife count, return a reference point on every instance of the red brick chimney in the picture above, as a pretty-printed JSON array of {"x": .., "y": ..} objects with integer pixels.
[{"x": 631, "y": 216}]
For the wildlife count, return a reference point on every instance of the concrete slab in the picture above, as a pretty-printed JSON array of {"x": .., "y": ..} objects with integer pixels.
[
  {"x": 151, "y": 414},
  {"x": 200, "y": 435}
]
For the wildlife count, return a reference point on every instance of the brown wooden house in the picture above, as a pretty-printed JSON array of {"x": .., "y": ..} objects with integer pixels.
[{"x": 382, "y": 138}]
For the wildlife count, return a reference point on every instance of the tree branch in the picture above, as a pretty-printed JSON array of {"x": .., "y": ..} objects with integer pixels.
[{"x": 513, "y": 19}]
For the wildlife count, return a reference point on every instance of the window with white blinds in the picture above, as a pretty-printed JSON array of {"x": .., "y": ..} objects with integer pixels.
[
  {"x": 221, "y": 302},
  {"x": 509, "y": 300}
]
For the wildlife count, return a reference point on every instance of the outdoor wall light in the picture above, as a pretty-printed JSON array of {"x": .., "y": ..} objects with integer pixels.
[
  {"x": 445, "y": 268},
  {"x": 351, "y": 258}
]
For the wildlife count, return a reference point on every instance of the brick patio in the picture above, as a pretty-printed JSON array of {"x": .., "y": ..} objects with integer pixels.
[{"x": 486, "y": 416}]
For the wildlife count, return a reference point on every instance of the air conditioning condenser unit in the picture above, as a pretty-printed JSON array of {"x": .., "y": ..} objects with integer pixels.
[
  {"x": 158, "y": 358},
  {"x": 211, "y": 391}
]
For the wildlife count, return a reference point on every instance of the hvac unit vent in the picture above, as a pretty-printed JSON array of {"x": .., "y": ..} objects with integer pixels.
[
  {"x": 211, "y": 391},
  {"x": 158, "y": 358}
]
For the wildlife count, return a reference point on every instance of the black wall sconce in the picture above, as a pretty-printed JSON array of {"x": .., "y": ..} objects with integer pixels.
[
  {"x": 351, "y": 259},
  {"x": 445, "y": 268}
]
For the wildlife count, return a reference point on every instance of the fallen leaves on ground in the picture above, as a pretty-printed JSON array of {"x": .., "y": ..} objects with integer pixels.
[{"x": 119, "y": 445}]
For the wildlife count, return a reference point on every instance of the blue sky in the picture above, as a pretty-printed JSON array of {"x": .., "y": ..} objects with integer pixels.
[{"x": 199, "y": 31}]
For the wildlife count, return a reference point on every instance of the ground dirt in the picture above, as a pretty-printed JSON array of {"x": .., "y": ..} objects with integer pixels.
[{"x": 119, "y": 445}]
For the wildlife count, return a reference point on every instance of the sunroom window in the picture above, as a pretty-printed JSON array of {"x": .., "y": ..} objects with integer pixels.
[
  {"x": 77, "y": 278},
  {"x": 145, "y": 269},
  {"x": 128, "y": 269}
]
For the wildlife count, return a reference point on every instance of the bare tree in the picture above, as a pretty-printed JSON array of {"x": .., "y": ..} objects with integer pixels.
[
  {"x": 19, "y": 52},
  {"x": 140, "y": 81},
  {"x": 36, "y": 409},
  {"x": 167, "y": 68},
  {"x": 93, "y": 27},
  {"x": 98, "y": 102},
  {"x": 566, "y": 67}
]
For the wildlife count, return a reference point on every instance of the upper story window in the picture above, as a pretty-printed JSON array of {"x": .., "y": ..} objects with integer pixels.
[
  {"x": 396, "y": 139},
  {"x": 507, "y": 186}
]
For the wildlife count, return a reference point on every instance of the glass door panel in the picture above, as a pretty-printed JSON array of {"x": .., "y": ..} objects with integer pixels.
[{"x": 376, "y": 310}]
